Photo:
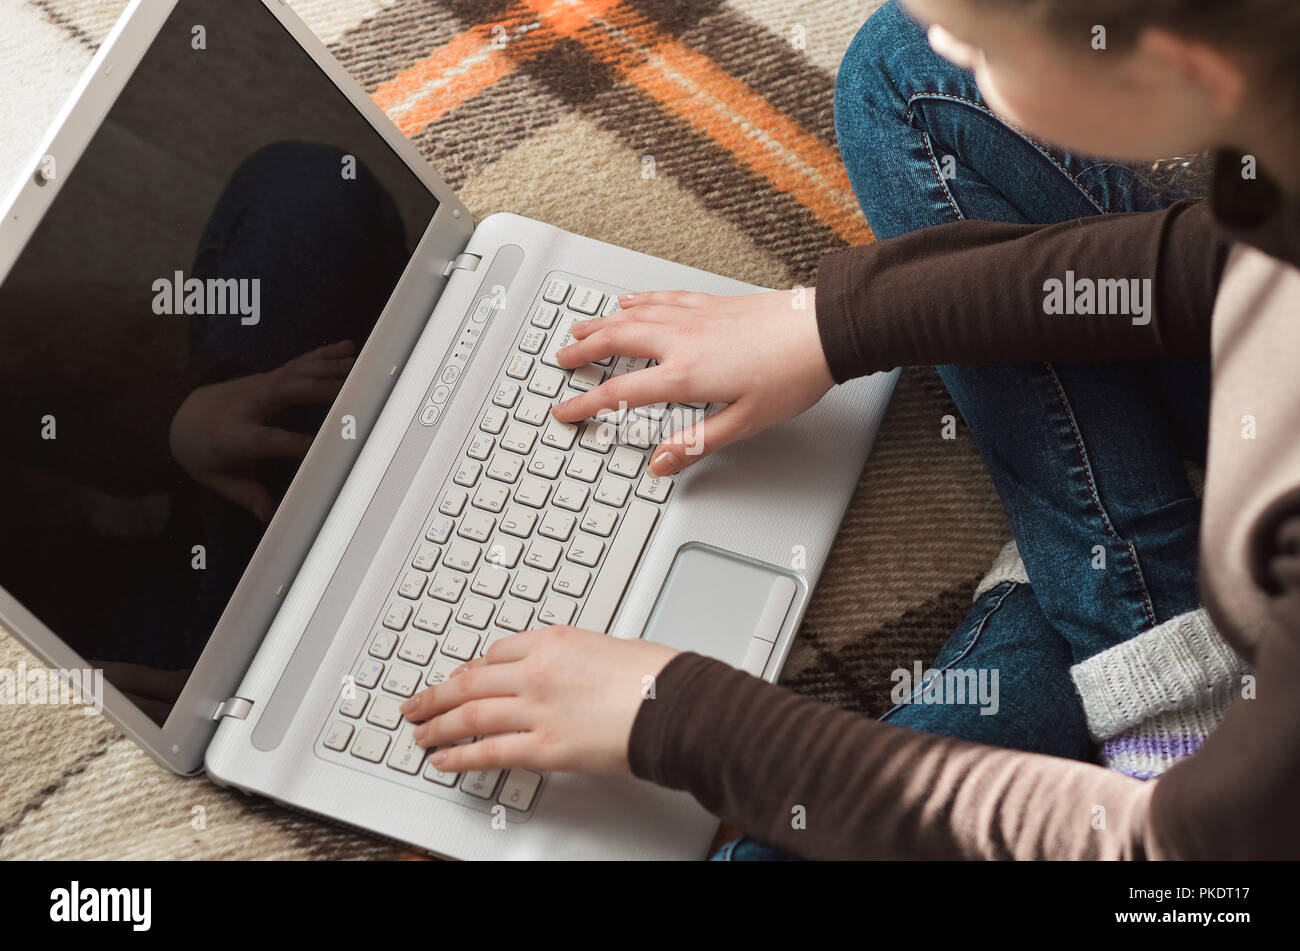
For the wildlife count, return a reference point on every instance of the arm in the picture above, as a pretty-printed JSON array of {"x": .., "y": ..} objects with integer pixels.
[
  {"x": 750, "y": 752},
  {"x": 973, "y": 292}
]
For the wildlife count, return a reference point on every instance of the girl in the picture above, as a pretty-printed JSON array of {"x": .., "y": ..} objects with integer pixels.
[{"x": 995, "y": 250}]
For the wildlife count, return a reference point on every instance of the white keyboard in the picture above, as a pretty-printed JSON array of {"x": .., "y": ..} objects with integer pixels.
[{"x": 540, "y": 523}]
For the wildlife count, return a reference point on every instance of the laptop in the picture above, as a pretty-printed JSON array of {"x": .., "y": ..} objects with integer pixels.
[{"x": 278, "y": 450}]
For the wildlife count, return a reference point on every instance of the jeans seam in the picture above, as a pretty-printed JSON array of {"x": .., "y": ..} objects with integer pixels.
[
  {"x": 1029, "y": 140},
  {"x": 1096, "y": 495},
  {"x": 970, "y": 645},
  {"x": 938, "y": 174}
]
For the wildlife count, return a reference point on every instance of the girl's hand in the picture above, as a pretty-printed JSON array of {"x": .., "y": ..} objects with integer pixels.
[
  {"x": 552, "y": 699},
  {"x": 759, "y": 353}
]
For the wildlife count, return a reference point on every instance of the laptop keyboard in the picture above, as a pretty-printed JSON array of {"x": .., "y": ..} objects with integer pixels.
[{"x": 540, "y": 523}]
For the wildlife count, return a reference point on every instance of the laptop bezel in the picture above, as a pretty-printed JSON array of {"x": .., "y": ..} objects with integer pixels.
[{"x": 181, "y": 741}]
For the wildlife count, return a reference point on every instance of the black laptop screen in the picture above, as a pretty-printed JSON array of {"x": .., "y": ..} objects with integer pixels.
[{"x": 176, "y": 330}]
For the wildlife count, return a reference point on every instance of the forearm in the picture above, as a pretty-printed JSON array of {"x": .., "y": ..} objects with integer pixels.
[
  {"x": 975, "y": 292},
  {"x": 828, "y": 784}
]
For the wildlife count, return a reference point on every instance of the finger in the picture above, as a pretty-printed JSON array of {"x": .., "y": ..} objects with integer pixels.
[
  {"x": 689, "y": 299},
  {"x": 269, "y": 442},
  {"x": 639, "y": 388},
  {"x": 691, "y": 444},
  {"x": 654, "y": 314},
  {"x": 498, "y": 680},
  {"x": 491, "y": 752},
  {"x": 474, "y": 718},
  {"x": 630, "y": 339}
]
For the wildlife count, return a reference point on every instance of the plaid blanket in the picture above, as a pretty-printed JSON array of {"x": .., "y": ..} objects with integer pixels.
[{"x": 697, "y": 130}]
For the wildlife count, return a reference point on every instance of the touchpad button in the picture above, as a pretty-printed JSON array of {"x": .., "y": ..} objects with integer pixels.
[{"x": 722, "y": 605}]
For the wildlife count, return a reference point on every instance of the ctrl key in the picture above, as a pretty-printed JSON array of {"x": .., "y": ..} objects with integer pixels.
[
  {"x": 520, "y": 789},
  {"x": 338, "y": 736},
  {"x": 371, "y": 745}
]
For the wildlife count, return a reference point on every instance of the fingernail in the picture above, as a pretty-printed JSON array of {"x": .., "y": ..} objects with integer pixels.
[
  {"x": 665, "y": 464},
  {"x": 626, "y": 299},
  {"x": 439, "y": 757},
  {"x": 418, "y": 733},
  {"x": 457, "y": 671},
  {"x": 409, "y": 706}
]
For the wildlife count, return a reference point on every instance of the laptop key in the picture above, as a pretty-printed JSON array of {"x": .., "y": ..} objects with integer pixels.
[
  {"x": 544, "y": 316},
  {"x": 532, "y": 341},
  {"x": 519, "y": 789},
  {"x": 441, "y": 670},
  {"x": 434, "y": 775},
  {"x": 397, "y": 615},
  {"x": 556, "y": 291},
  {"x": 417, "y": 648},
  {"x": 584, "y": 466},
  {"x": 426, "y": 557},
  {"x": 370, "y": 673},
  {"x": 432, "y": 617},
  {"x": 412, "y": 585},
  {"x": 587, "y": 377},
  {"x": 401, "y": 680},
  {"x": 385, "y": 712},
  {"x": 625, "y": 462},
  {"x": 440, "y": 530},
  {"x": 446, "y": 586},
  {"x": 514, "y": 614},
  {"x": 557, "y": 525},
  {"x": 504, "y": 552},
  {"x": 354, "y": 705},
  {"x": 382, "y": 644},
  {"x": 586, "y": 300},
  {"x": 586, "y": 550},
  {"x": 460, "y": 644},
  {"x": 557, "y": 611},
  {"x": 481, "y": 783},
  {"x": 475, "y": 612},
  {"x": 338, "y": 736},
  {"x": 407, "y": 756},
  {"x": 654, "y": 488},
  {"x": 572, "y": 580},
  {"x": 371, "y": 745},
  {"x": 529, "y": 584}
]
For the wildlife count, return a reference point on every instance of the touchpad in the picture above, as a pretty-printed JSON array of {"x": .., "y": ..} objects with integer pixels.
[{"x": 722, "y": 605}]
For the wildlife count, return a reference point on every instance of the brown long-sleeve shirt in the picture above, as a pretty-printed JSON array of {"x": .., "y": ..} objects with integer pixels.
[{"x": 758, "y": 754}]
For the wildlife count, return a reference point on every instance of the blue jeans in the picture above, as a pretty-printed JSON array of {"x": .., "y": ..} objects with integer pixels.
[{"x": 1087, "y": 458}]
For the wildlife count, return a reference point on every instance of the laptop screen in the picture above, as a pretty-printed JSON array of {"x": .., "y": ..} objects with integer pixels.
[{"x": 174, "y": 333}]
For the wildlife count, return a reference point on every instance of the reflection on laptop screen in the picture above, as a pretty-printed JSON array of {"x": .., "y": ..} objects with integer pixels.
[{"x": 174, "y": 333}]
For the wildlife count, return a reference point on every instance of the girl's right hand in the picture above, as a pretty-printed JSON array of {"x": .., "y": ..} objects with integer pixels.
[{"x": 759, "y": 353}]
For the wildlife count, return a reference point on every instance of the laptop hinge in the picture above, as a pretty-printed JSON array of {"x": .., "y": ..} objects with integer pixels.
[
  {"x": 236, "y": 708},
  {"x": 462, "y": 262}
]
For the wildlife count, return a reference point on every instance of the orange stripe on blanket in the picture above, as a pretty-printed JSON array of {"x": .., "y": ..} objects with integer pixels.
[
  {"x": 691, "y": 86},
  {"x": 685, "y": 83},
  {"x": 765, "y": 140},
  {"x": 457, "y": 72}
]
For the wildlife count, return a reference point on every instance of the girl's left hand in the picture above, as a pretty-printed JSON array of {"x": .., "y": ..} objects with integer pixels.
[{"x": 557, "y": 698}]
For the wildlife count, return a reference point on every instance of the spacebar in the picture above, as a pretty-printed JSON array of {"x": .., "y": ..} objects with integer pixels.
[{"x": 620, "y": 562}]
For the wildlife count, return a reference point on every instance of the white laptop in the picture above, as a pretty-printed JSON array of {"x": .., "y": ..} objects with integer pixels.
[{"x": 265, "y": 546}]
